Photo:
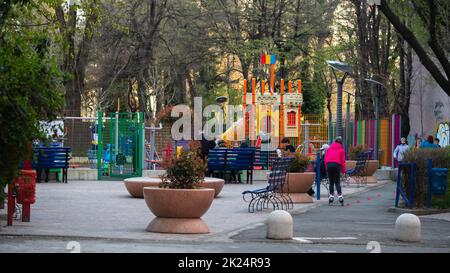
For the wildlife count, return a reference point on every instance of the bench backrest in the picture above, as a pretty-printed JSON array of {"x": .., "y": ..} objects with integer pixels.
[
  {"x": 231, "y": 159},
  {"x": 361, "y": 162},
  {"x": 277, "y": 176},
  {"x": 265, "y": 159},
  {"x": 240, "y": 158},
  {"x": 51, "y": 157},
  {"x": 217, "y": 159}
]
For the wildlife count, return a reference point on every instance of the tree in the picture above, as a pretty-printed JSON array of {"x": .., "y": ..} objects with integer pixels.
[
  {"x": 76, "y": 22},
  {"x": 286, "y": 28},
  {"x": 432, "y": 27},
  {"x": 30, "y": 85}
]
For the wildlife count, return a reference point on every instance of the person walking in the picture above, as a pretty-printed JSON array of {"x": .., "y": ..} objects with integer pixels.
[
  {"x": 400, "y": 150},
  {"x": 335, "y": 164}
]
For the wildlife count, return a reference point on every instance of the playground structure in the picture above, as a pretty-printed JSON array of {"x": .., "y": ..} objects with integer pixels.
[
  {"x": 120, "y": 153},
  {"x": 153, "y": 158},
  {"x": 272, "y": 113}
]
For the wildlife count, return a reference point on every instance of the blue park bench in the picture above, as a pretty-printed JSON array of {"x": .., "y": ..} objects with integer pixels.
[
  {"x": 221, "y": 161},
  {"x": 46, "y": 158},
  {"x": 264, "y": 159}
]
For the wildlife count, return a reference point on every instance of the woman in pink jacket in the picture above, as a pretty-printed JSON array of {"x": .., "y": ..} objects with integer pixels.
[{"x": 335, "y": 164}]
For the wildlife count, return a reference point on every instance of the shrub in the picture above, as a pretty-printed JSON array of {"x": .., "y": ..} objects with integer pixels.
[
  {"x": 441, "y": 159},
  {"x": 355, "y": 151},
  {"x": 298, "y": 164},
  {"x": 186, "y": 171}
]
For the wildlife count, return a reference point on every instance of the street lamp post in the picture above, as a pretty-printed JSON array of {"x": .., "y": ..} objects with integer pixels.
[
  {"x": 343, "y": 67},
  {"x": 330, "y": 128},
  {"x": 347, "y": 126},
  {"x": 221, "y": 102},
  {"x": 377, "y": 113}
]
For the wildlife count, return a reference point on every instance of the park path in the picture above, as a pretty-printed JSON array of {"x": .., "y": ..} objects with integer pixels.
[
  {"x": 104, "y": 209},
  {"x": 364, "y": 218}
]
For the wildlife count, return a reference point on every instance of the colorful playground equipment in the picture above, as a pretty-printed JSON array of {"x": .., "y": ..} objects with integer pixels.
[
  {"x": 153, "y": 157},
  {"x": 272, "y": 113},
  {"x": 122, "y": 153}
]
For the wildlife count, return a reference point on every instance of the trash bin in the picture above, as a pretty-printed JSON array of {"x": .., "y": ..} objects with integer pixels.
[{"x": 439, "y": 181}]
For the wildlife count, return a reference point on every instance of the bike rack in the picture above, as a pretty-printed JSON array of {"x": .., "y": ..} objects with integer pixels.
[{"x": 399, "y": 191}]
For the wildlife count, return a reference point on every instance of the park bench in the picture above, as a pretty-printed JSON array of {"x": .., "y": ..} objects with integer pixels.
[
  {"x": 46, "y": 158},
  {"x": 358, "y": 172},
  {"x": 230, "y": 161},
  {"x": 264, "y": 159},
  {"x": 273, "y": 193}
]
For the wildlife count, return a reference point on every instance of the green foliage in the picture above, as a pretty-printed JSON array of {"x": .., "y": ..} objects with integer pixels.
[
  {"x": 186, "y": 171},
  {"x": 298, "y": 164},
  {"x": 355, "y": 151},
  {"x": 441, "y": 159},
  {"x": 30, "y": 91},
  {"x": 313, "y": 98}
]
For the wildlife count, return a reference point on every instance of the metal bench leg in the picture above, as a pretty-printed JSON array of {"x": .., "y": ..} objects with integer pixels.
[{"x": 47, "y": 174}]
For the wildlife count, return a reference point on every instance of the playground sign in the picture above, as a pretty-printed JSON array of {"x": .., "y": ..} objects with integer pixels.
[
  {"x": 294, "y": 99},
  {"x": 266, "y": 99}
]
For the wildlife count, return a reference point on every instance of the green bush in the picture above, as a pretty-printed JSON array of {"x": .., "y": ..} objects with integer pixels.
[
  {"x": 298, "y": 164},
  {"x": 185, "y": 171},
  {"x": 441, "y": 159},
  {"x": 355, "y": 151}
]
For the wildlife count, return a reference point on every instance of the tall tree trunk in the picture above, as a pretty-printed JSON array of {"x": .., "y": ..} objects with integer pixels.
[{"x": 76, "y": 56}]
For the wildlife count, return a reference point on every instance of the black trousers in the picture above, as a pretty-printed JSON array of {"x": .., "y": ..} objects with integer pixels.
[{"x": 334, "y": 176}]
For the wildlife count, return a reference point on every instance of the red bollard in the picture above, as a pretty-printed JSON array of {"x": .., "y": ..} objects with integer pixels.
[{"x": 26, "y": 193}]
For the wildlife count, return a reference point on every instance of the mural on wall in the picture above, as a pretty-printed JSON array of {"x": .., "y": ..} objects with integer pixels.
[
  {"x": 443, "y": 133},
  {"x": 429, "y": 105}
]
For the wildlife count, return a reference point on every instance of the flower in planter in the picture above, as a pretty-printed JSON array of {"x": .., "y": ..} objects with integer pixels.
[
  {"x": 298, "y": 164},
  {"x": 185, "y": 171}
]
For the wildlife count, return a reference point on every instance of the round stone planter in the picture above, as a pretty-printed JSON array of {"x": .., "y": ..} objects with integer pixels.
[
  {"x": 213, "y": 183},
  {"x": 178, "y": 210},
  {"x": 372, "y": 166},
  {"x": 297, "y": 186},
  {"x": 136, "y": 185}
]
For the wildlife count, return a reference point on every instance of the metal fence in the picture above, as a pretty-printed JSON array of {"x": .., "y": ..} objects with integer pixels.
[{"x": 80, "y": 136}]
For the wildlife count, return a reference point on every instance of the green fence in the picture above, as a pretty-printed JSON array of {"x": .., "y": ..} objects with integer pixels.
[{"x": 122, "y": 143}]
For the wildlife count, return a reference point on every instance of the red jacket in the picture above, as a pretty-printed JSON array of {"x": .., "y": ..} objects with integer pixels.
[{"x": 335, "y": 154}]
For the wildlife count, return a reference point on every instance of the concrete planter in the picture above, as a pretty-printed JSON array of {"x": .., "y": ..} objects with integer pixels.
[
  {"x": 371, "y": 168},
  {"x": 136, "y": 185},
  {"x": 213, "y": 183},
  {"x": 297, "y": 186},
  {"x": 178, "y": 210}
]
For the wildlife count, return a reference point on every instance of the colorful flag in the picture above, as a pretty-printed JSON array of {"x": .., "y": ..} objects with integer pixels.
[{"x": 268, "y": 59}]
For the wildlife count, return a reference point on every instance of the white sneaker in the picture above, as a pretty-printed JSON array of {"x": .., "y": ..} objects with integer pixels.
[{"x": 341, "y": 199}]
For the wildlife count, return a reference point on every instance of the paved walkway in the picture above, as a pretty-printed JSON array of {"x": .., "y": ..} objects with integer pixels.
[
  {"x": 364, "y": 219},
  {"x": 105, "y": 210}
]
